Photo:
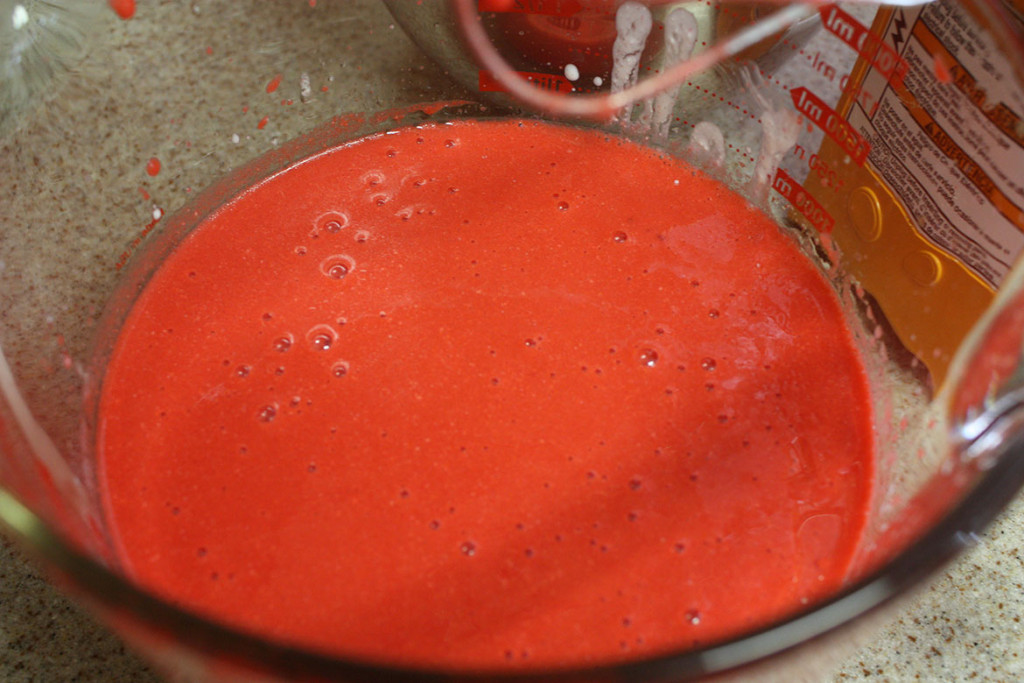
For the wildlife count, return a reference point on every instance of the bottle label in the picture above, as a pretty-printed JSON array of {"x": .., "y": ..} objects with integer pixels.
[{"x": 927, "y": 152}]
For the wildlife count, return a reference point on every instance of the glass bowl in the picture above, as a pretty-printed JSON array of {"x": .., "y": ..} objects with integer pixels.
[{"x": 120, "y": 134}]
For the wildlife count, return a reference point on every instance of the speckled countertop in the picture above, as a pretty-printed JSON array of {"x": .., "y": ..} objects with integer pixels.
[{"x": 966, "y": 626}]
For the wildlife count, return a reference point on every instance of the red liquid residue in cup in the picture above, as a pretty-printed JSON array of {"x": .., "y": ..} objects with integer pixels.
[{"x": 487, "y": 394}]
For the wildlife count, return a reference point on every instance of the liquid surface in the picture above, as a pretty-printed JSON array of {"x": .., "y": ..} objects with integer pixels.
[{"x": 483, "y": 394}]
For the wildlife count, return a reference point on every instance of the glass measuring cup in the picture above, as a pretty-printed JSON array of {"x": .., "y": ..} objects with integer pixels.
[{"x": 55, "y": 283}]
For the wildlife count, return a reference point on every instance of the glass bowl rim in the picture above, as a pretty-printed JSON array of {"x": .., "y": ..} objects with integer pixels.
[{"x": 990, "y": 491}]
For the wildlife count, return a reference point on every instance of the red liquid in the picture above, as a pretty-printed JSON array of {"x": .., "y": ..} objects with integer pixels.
[{"x": 487, "y": 393}]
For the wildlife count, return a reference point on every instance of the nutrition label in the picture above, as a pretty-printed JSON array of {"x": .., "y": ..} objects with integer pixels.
[{"x": 939, "y": 88}]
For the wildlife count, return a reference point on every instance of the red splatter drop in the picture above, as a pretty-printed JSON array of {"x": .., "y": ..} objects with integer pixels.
[
  {"x": 274, "y": 82},
  {"x": 153, "y": 166},
  {"x": 209, "y": 50},
  {"x": 312, "y": 3},
  {"x": 142, "y": 191},
  {"x": 124, "y": 8},
  {"x": 323, "y": 88},
  {"x": 263, "y": 122}
]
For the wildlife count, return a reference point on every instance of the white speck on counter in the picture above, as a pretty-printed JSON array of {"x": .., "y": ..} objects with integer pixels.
[
  {"x": 19, "y": 17},
  {"x": 234, "y": 138}
]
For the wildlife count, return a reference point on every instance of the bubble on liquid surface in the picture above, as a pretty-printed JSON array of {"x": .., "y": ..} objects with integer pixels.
[
  {"x": 648, "y": 357},
  {"x": 337, "y": 267},
  {"x": 620, "y": 237},
  {"x": 468, "y": 548},
  {"x": 340, "y": 369},
  {"x": 283, "y": 343},
  {"x": 267, "y": 413},
  {"x": 563, "y": 206},
  {"x": 372, "y": 178},
  {"x": 322, "y": 337},
  {"x": 243, "y": 370},
  {"x": 332, "y": 222},
  {"x": 708, "y": 364},
  {"x": 361, "y": 236}
]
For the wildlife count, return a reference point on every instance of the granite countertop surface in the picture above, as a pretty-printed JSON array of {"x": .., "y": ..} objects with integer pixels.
[{"x": 965, "y": 626}]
